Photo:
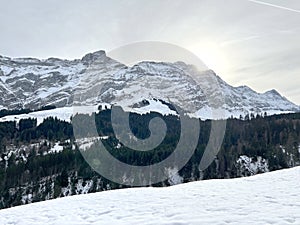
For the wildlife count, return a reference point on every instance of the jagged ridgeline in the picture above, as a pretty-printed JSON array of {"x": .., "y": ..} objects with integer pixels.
[
  {"x": 32, "y": 83},
  {"x": 40, "y": 162}
]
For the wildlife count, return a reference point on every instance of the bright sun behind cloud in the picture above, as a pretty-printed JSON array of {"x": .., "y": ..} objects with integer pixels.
[
  {"x": 211, "y": 55},
  {"x": 215, "y": 58}
]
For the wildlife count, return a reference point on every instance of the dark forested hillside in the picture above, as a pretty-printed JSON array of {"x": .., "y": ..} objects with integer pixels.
[{"x": 43, "y": 162}]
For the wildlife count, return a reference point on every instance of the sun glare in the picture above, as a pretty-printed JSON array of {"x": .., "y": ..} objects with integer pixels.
[{"x": 211, "y": 55}]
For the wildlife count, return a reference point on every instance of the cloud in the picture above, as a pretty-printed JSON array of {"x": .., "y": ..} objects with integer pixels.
[
  {"x": 274, "y": 5},
  {"x": 238, "y": 41}
]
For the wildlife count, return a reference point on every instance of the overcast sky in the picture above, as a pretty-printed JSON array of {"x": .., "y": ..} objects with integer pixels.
[{"x": 247, "y": 42}]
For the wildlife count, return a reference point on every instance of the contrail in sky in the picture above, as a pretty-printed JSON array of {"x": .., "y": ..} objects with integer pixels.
[{"x": 276, "y": 6}]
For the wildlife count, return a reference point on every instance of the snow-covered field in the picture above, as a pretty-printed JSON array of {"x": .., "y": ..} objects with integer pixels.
[
  {"x": 64, "y": 113},
  {"x": 270, "y": 198}
]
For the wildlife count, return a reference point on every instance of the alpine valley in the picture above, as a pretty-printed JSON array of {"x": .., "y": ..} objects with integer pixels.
[{"x": 41, "y": 160}]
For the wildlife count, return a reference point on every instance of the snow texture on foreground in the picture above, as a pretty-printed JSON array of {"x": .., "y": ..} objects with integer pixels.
[{"x": 271, "y": 198}]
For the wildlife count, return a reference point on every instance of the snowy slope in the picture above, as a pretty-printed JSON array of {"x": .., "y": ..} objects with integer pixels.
[
  {"x": 271, "y": 198},
  {"x": 64, "y": 113}
]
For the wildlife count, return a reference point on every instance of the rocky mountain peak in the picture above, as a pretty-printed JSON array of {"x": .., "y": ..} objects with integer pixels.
[
  {"x": 92, "y": 57},
  {"x": 32, "y": 83}
]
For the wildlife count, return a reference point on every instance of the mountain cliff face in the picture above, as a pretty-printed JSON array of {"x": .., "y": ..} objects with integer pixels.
[{"x": 96, "y": 79}]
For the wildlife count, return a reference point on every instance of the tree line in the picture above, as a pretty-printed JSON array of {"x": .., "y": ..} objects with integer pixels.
[{"x": 274, "y": 138}]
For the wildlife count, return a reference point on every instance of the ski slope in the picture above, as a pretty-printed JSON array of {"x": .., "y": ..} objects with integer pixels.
[{"x": 270, "y": 198}]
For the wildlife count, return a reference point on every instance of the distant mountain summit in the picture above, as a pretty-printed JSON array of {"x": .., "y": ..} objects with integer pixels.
[{"x": 33, "y": 83}]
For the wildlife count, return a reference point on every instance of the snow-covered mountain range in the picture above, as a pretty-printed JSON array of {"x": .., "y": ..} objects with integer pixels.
[
  {"x": 270, "y": 198},
  {"x": 98, "y": 79}
]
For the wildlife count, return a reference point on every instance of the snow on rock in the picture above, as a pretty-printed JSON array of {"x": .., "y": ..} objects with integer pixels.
[
  {"x": 83, "y": 187},
  {"x": 270, "y": 198},
  {"x": 56, "y": 148},
  {"x": 248, "y": 166},
  {"x": 174, "y": 177},
  {"x": 86, "y": 143},
  {"x": 27, "y": 198}
]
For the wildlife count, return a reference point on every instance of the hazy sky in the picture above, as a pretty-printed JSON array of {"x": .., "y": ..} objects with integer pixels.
[{"x": 247, "y": 42}]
